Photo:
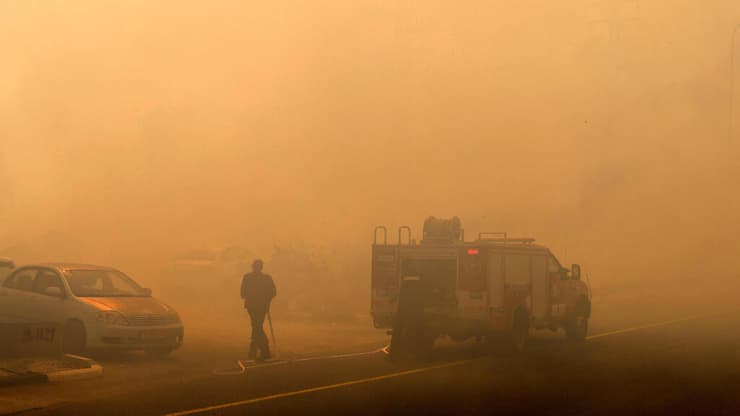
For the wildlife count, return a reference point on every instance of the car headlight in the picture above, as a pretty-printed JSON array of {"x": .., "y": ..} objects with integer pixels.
[{"x": 112, "y": 318}]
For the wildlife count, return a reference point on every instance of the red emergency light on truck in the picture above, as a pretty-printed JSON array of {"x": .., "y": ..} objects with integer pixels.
[{"x": 445, "y": 285}]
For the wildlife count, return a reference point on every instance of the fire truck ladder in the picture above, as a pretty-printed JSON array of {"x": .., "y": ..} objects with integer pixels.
[
  {"x": 385, "y": 235},
  {"x": 409, "y": 241},
  {"x": 384, "y": 232}
]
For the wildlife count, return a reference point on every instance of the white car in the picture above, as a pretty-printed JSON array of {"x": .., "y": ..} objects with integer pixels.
[{"x": 96, "y": 307}]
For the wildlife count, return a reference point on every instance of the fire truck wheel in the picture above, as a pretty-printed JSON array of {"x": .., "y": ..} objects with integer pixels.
[
  {"x": 411, "y": 345},
  {"x": 425, "y": 345},
  {"x": 520, "y": 331},
  {"x": 577, "y": 328},
  {"x": 399, "y": 344}
]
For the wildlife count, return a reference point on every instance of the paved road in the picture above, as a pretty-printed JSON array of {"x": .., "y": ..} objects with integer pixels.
[{"x": 690, "y": 366}]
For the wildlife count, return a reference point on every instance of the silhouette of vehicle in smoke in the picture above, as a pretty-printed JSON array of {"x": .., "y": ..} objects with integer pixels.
[
  {"x": 6, "y": 266},
  {"x": 492, "y": 287},
  {"x": 96, "y": 307}
]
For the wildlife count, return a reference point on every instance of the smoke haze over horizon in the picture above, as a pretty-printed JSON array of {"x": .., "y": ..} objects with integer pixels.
[{"x": 133, "y": 131}]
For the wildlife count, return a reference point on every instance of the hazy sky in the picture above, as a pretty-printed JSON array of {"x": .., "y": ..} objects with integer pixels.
[{"x": 136, "y": 129}]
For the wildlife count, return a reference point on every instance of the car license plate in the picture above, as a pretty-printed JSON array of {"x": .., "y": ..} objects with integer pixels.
[{"x": 153, "y": 335}]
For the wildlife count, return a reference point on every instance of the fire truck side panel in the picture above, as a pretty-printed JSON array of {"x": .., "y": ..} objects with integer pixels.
[
  {"x": 517, "y": 275},
  {"x": 472, "y": 293},
  {"x": 540, "y": 291},
  {"x": 516, "y": 279},
  {"x": 496, "y": 291},
  {"x": 516, "y": 298},
  {"x": 385, "y": 285}
]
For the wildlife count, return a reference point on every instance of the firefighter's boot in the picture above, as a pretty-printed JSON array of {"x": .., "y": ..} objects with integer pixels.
[
  {"x": 264, "y": 353},
  {"x": 252, "y": 351}
]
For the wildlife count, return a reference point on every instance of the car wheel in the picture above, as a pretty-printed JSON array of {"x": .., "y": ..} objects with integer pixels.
[
  {"x": 74, "y": 338},
  {"x": 425, "y": 345}
]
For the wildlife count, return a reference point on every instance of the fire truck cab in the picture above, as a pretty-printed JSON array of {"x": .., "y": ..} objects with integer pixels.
[{"x": 493, "y": 285}]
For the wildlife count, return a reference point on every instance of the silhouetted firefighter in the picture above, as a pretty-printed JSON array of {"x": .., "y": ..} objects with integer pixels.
[
  {"x": 257, "y": 290},
  {"x": 411, "y": 338}
]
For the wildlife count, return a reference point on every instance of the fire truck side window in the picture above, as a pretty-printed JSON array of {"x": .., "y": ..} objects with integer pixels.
[{"x": 517, "y": 269}]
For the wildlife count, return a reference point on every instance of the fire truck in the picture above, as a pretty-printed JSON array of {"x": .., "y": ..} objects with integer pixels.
[{"x": 493, "y": 287}]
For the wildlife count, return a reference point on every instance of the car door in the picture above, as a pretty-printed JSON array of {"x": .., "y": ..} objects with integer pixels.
[
  {"x": 48, "y": 297},
  {"x": 15, "y": 294}
]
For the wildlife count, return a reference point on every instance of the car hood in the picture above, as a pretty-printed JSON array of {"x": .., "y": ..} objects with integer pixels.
[{"x": 130, "y": 305}]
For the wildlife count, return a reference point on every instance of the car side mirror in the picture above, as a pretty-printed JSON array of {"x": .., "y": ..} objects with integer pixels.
[
  {"x": 145, "y": 291},
  {"x": 53, "y": 291},
  {"x": 575, "y": 272}
]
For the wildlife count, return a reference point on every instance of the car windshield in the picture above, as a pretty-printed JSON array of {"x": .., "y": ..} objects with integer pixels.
[{"x": 102, "y": 283}]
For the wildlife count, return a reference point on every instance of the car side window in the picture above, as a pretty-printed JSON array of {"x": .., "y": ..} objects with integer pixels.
[
  {"x": 21, "y": 280},
  {"x": 45, "y": 280}
]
